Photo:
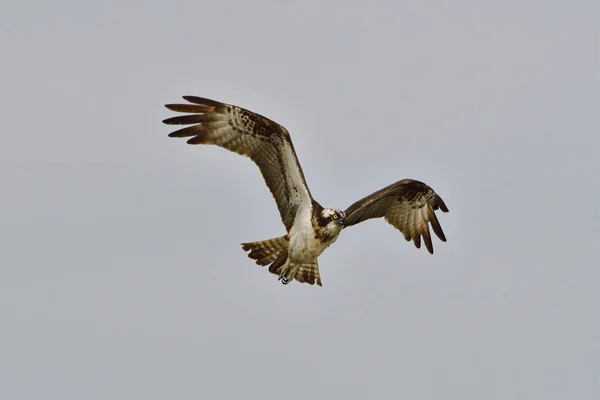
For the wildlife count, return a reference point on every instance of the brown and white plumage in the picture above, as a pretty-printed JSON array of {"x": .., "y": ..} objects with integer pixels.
[
  {"x": 408, "y": 205},
  {"x": 267, "y": 143}
]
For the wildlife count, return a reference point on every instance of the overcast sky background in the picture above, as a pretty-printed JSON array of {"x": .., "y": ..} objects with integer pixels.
[{"x": 121, "y": 274}]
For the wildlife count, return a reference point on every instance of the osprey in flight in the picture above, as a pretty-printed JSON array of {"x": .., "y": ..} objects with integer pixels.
[{"x": 408, "y": 205}]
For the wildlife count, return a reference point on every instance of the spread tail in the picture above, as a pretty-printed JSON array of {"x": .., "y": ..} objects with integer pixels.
[
  {"x": 307, "y": 273},
  {"x": 302, "y": 272},
  {"x": 274, "y": 252},
  {"x": 267, "y": 251}
]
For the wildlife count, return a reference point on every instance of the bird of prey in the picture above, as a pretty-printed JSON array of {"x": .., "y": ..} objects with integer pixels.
[{"x": 408, "y": 205}]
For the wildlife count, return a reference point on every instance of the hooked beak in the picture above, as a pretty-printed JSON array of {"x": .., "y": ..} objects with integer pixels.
[{"x": 341, "y": 221}]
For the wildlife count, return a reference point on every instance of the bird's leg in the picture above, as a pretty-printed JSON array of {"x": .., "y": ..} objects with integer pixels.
[{"x": 286, "y": 275}]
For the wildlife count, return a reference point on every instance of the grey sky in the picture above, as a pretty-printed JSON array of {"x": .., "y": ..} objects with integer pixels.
[{"x": 121, "y": 271}]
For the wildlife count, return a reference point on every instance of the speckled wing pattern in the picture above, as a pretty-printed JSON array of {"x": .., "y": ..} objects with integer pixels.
[
  {"x": 266, "y": 142},
  {"x": 408, "y": 205}
]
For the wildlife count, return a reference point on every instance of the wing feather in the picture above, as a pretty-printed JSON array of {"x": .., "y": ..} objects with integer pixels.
[
  {"x": 424, "y": 229},
  {"x": 417, "y": 241},
  {"x": 265, "y": 142},
  {"x": 408, "y": 205}
]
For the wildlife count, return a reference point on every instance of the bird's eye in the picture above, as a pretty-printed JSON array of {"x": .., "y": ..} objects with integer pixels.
[{"x": 335, "y": 216}]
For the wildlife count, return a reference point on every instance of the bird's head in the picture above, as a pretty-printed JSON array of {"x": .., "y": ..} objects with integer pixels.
[{"x": 332, "y": 219}]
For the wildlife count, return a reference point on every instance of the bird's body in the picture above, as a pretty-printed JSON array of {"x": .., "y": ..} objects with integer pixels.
[
  {"x": 408, "y": 205},
  {"x": 305, "y": 245}
]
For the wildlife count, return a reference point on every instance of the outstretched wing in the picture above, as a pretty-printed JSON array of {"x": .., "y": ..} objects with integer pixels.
[
  {"x": 267, "y": 143},
  {"x": 408, "y": 205}
]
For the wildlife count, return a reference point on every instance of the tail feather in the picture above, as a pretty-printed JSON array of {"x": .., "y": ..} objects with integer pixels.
[
  {"x": 274, "y": 252},
  {"x": 267, "y": 251},
  {"x": 308, "y": 273}
]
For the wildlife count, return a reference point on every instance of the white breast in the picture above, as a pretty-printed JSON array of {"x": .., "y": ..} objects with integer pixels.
[{"x": 303, "y": 246}]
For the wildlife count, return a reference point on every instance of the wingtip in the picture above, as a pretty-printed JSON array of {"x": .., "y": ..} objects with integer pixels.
[
  {"x": 171, "y": 106},
  {"x": 202, "y": 101},
  {"x": 170, "y": 121},
  {"x": 441, "y": 204},
  {"x": 429, "y": 249}
]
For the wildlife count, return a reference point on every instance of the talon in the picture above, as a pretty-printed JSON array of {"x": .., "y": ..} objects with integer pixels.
[{"x": 284, "y": 280}]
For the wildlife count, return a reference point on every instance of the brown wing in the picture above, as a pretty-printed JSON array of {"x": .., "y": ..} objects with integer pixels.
[
  {"x": 267, "y": 143},
  {"x": 408, "y": 205}
]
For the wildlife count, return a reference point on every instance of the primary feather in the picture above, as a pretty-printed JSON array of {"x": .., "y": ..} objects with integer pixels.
[
  {"x": 267, "y": 143},
  {"x": 408, "y": 205}
]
